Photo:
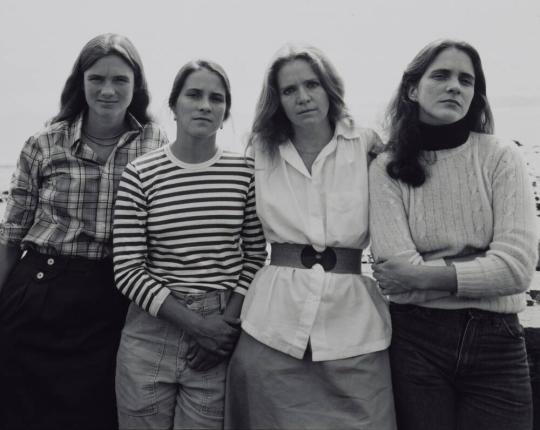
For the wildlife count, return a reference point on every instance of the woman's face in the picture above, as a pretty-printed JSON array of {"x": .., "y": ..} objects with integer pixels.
[
  {"x": 302, "y": 96},
  {"x": 201, "y": 104},
  {"x": 108, "y": 87},
  {"x": 446, "y": 89}
]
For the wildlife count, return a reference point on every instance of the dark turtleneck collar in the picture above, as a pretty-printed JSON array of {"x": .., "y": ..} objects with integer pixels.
[{"x": 436, "y": 137}]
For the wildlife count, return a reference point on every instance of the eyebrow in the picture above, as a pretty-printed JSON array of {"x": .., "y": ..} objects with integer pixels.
[
  {"x": 200, "y": 90},
  {"x": 447, "y": 71},
  {"x": 99, "y": 75}
]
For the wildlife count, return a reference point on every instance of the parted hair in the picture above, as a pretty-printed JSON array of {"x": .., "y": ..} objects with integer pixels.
[
  {"x": 194, "y": 65},
  {"x": 402, "y": 115},
  {"x": 271, "y": 127},
  {"x": 73, "y": 101}
]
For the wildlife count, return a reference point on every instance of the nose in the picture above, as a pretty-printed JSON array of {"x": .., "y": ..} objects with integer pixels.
[
  {"x": 107, "y": 89},
  {"x": 454, "y": 86},
  {"x": 204, "y": 104},
  {"x": 303, "y": 95}
]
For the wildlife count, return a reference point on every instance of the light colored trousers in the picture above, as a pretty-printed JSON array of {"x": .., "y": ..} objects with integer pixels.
[{"x": 155, "y": 389}]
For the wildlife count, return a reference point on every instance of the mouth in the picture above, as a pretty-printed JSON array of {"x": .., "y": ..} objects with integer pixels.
[
  {"x": 303, "y": 112},
  {"x": 451, "y": 101},
  {"x": 202, "y": 119}
]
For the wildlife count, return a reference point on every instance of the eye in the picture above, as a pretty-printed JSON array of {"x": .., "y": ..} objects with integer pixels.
[
  {"x": 287, "y": 91},
  {"x": 313, "y": 84},
  {"x": 467, "y": 81},
  {"x": 121, "y": 79},
  {"x": 438, "y": 76},
  {"x": 217, "y": 98},
  {"x": 193, "y": 94}
]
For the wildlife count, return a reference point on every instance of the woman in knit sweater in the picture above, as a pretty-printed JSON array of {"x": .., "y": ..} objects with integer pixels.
[{"x": 452, "y": 225}]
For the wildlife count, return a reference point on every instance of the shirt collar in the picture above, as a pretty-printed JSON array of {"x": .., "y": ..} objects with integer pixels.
[
  {"x": 344, "y": 130},
  {"x": 76, "y": 126}
]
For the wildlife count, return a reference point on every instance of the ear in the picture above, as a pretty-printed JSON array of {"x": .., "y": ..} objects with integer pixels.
[{"x": 413, "y": 93}]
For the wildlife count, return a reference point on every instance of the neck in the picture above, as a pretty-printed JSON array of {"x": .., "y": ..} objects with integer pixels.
[
  {"x": 437, "y": 137},
  {"x": 194, "y": 150},
  {"x": 312, "y": 138},
  {"x": 103, "y": 126}
]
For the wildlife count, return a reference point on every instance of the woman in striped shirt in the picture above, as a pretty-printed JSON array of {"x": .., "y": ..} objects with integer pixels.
[
  {"x": 187, "y": 243},
  {"x": 60, "y": 313}
]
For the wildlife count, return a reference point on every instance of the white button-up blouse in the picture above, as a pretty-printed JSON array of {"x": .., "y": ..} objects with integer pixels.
[{"x": 342, "y": 315}]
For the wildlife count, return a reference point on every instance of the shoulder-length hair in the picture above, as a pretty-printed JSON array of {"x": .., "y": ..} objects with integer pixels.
[
  {"x": 194, "y": 65},
  {"x": 73, "y": 100},
  {"x": 271, "y": 127},
  {"x": 403, "y": 113}
]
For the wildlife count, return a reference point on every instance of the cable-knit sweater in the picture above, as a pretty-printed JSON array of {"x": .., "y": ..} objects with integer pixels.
[{"x": 477, "y": 197}]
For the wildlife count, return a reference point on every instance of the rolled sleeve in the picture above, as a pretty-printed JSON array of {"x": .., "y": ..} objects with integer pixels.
[{"x": 23, "y": 195}]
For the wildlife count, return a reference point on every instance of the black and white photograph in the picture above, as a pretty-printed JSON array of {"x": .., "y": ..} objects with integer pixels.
[{"x": 254, "y": 214}]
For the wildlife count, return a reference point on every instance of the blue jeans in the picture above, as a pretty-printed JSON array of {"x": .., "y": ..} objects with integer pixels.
[
  {"x": 155, "y": 388},
  {"x": 459, "y": 370}
]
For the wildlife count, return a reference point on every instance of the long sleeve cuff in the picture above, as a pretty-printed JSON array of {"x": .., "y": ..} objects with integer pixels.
[{"x": 158, "y": 300}]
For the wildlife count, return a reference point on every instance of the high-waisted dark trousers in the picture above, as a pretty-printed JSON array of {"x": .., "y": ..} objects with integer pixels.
[
  {"x": 60, "y": 324},
  {"x": 463, "y": 369}
]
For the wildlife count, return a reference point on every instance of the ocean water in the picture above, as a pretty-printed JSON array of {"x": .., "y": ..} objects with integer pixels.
[{"x": 529, "y": 318}]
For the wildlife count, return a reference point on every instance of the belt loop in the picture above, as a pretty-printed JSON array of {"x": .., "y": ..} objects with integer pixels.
[{"x": 222, "y": 304}]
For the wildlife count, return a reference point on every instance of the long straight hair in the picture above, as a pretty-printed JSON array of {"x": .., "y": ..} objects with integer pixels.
[
  {"x": 73, "y": 100},
  {"x": 403, "y": 113}
]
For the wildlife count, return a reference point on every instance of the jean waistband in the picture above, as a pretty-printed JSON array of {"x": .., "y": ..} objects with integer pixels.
[
  {"x": 332, "y": 259},
  {"x": 54, "y": 261},
  {"x": 213, "y": 299},
  {"x": 458, "y": 313}
]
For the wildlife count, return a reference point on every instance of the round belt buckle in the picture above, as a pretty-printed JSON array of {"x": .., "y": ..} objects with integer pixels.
[{"x": 327, "y": 258}]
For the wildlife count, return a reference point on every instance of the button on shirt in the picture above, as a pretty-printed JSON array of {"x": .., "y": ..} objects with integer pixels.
[
  {"x": 342, "y": 315},
  {"x": 61, "y": 197}
]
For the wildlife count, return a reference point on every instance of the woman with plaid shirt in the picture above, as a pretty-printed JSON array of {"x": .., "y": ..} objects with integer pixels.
[{"x": 60, "y": 313}]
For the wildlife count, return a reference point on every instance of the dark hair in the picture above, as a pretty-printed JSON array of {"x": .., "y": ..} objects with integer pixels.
[
  {"x": 403, "y": 113},
  {"x": 193, "y": 66},
  {"x": 73, "y": 101},
  {"x": 271, "y": 126}
]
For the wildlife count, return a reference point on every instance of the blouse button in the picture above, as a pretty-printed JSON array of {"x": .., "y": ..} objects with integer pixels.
[
  {"x": 50, "y": 261},
  {"x": 40, "y": 275}
]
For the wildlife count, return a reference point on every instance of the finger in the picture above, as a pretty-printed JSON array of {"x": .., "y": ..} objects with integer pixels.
[
  {"x": 192, "y": 351},
  {"x": 234, "y": 322}
]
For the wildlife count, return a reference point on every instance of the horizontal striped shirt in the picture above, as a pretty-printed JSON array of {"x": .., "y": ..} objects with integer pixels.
[
  {"x": 61, "y": 196},
  {"x": 191, "y": 228}
]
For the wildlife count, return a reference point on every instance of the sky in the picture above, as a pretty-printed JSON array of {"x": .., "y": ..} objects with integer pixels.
[{"x": 369, "y": 42}]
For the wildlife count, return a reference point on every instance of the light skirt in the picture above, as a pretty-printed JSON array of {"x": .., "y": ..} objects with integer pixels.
[{"x": 267, "y": 389}]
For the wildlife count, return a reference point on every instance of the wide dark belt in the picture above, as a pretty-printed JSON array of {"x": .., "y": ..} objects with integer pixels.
[{"x": 332, "y": 259}]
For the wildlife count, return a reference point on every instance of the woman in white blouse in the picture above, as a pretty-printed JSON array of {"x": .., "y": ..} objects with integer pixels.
[{"x": 315, "y": 331}]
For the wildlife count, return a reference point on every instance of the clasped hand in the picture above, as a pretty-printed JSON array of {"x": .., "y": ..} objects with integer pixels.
[
  {"x": 213, "y": 341},
  {"x": 396, "y": 275}
]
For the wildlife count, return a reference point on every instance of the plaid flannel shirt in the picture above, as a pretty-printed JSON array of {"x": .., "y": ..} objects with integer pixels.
[{"x": 61, "y": 197}]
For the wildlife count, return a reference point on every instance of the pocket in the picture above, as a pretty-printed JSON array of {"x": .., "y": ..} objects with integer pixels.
[
  {"x": 23, "y": 295},
  {"x": 347, "y": 216},
  {"x": 214, "y": 390},
  {"x": 397, "y": 309},
  {"x": 138, "y": 363},
  {"x": 513, "y": 328},
  {"x": 14, "y": 292}
]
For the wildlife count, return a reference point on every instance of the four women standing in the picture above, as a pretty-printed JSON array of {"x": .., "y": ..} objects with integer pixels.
[{"x": 451, "y": 219}]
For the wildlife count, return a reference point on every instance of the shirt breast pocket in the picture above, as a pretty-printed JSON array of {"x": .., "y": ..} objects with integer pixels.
[{"x": 347, "y": 217}]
